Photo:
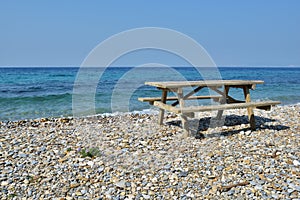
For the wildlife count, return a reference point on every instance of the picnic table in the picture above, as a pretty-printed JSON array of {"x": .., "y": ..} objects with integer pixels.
[{"x": 221, "y": 88}]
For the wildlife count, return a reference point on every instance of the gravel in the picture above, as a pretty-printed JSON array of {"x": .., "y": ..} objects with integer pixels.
[{"x": 129, "y": 156}]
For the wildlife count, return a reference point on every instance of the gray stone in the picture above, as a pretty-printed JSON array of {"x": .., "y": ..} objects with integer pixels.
[
  {"x": 290, "y": 191},
  {"x": 43, "y": 148},
  {"x": 34, "y": 162},
  {"x": 270, "y": 176},
  {"x": 231, "y": 192},
  {"x": 297, "y": 188},
  {"x": 22, "y": 155},
  {"x": 258, "y": 187},
  {"x": 100, "y": 169},
  {"x": 253, "y": 183},
  {"x": 183, "y": 174},
  {"x": 167, "y": 167},
  {"x": 121, "y": 184}
]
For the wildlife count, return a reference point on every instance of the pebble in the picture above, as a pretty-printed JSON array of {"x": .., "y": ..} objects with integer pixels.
[
  {"x": 183, "y": 174},
  {"x": 296, "y": 163},
  {"x": 141, "y": 160},
  {"x": 4, "y": 183},
  {"x": 90, "y": 163},
  {"x": 22, "y": 155},
  {"x": 248, "y": 133},
  {"x": 145, "y": 196},
  {"x": 290, "y": 190},
  {"x": 231, "y": 192},
  {"x": 121, "y": 184},
  {"x": 167, "y": 167},
  {"x": 253, "y": 183}
]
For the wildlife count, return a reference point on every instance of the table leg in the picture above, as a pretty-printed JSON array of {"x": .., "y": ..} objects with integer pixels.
[
  {"x": 188, "y": 95},
  {"x": 250, "y": 110},
  {"x": 162, "y": 111},
  {"x": 184, "y": 120},
  {"x": 223, "y": 101}
]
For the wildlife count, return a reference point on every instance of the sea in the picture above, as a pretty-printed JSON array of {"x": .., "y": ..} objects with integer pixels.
[{"x": 44, "y": 92}]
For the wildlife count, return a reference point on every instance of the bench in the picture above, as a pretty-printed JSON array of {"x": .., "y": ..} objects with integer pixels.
[
  {"x": 265, "y": 105},
  {"x": 191, "y": 110},
  {"x": 221, "y": 87}
]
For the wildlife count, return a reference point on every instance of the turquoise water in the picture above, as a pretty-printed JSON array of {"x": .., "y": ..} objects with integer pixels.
[{"x": 47, "y": 92}]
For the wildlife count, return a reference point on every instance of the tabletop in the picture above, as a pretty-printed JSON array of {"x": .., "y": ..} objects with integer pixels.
[{"x": 206, "y": 83}]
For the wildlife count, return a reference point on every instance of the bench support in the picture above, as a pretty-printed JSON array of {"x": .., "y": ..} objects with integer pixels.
[
  {"x": 162, "y": 111},
  {"x": 188, "y": 95},
  {"x": 223, "y": 101},
  {"x": 184, "y": 120},
  {"x": 249, "y": 109}
]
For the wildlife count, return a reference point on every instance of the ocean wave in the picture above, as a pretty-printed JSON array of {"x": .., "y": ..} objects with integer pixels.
[
  {"x": 61, "y": 75},
  {"x": 29, "y": 89},
  {"x": 36, "y": 98},
  {"x": 150, "y": 111}
]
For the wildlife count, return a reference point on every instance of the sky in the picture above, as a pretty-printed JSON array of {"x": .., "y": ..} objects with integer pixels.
[{"x": 234, "y": 33}]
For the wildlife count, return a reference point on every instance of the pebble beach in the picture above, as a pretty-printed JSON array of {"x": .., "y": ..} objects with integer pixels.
[{"x": 130, "y": 156}]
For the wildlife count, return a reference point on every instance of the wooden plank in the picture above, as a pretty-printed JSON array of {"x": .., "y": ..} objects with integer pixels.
[
  {"x": 229, "y": 98},
  {"x": 170, "y": 108},
  {"x": 206, "y": 83},
  {"x": 162, "y": 111},
  {"x": 223, "y": 101},
  {"x": 149, "y": 99},
  {"x": 249, "y": 109},
  {"x": 226, "y": 106},
  {"x": 188, "y": 95},
  {"x": 167, "y": 107},
  {"x": 190, "y": 115},
  {"x": 184, "y": 120},
  {"x": 189, "y": 109}
]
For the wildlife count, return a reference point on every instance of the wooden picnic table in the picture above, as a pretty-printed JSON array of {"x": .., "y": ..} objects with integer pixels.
[{"x": 221, "y": 87}]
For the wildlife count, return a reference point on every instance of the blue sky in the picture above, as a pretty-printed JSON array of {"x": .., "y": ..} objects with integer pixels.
[{"x": 235, "y": 33}]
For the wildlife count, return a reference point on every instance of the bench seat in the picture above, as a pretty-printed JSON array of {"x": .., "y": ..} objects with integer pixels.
[
  {"x": 266, "y": 105},
  {"x": 153, "y": 99}
]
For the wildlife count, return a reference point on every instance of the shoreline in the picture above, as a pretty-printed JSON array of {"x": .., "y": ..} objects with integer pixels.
[
  {"x": 150, "y": 111},
  {"x": 132, "y": 157}
]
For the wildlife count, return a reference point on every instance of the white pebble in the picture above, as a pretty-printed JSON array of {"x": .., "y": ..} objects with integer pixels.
[
  {"x": 4, "y": 183},
  {"x": 296, "y": 163},
  {"x": 90, "y": 163}
]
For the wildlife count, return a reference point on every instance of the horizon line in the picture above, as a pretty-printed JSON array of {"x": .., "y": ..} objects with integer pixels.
[{"x": 75, "y": 66}]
